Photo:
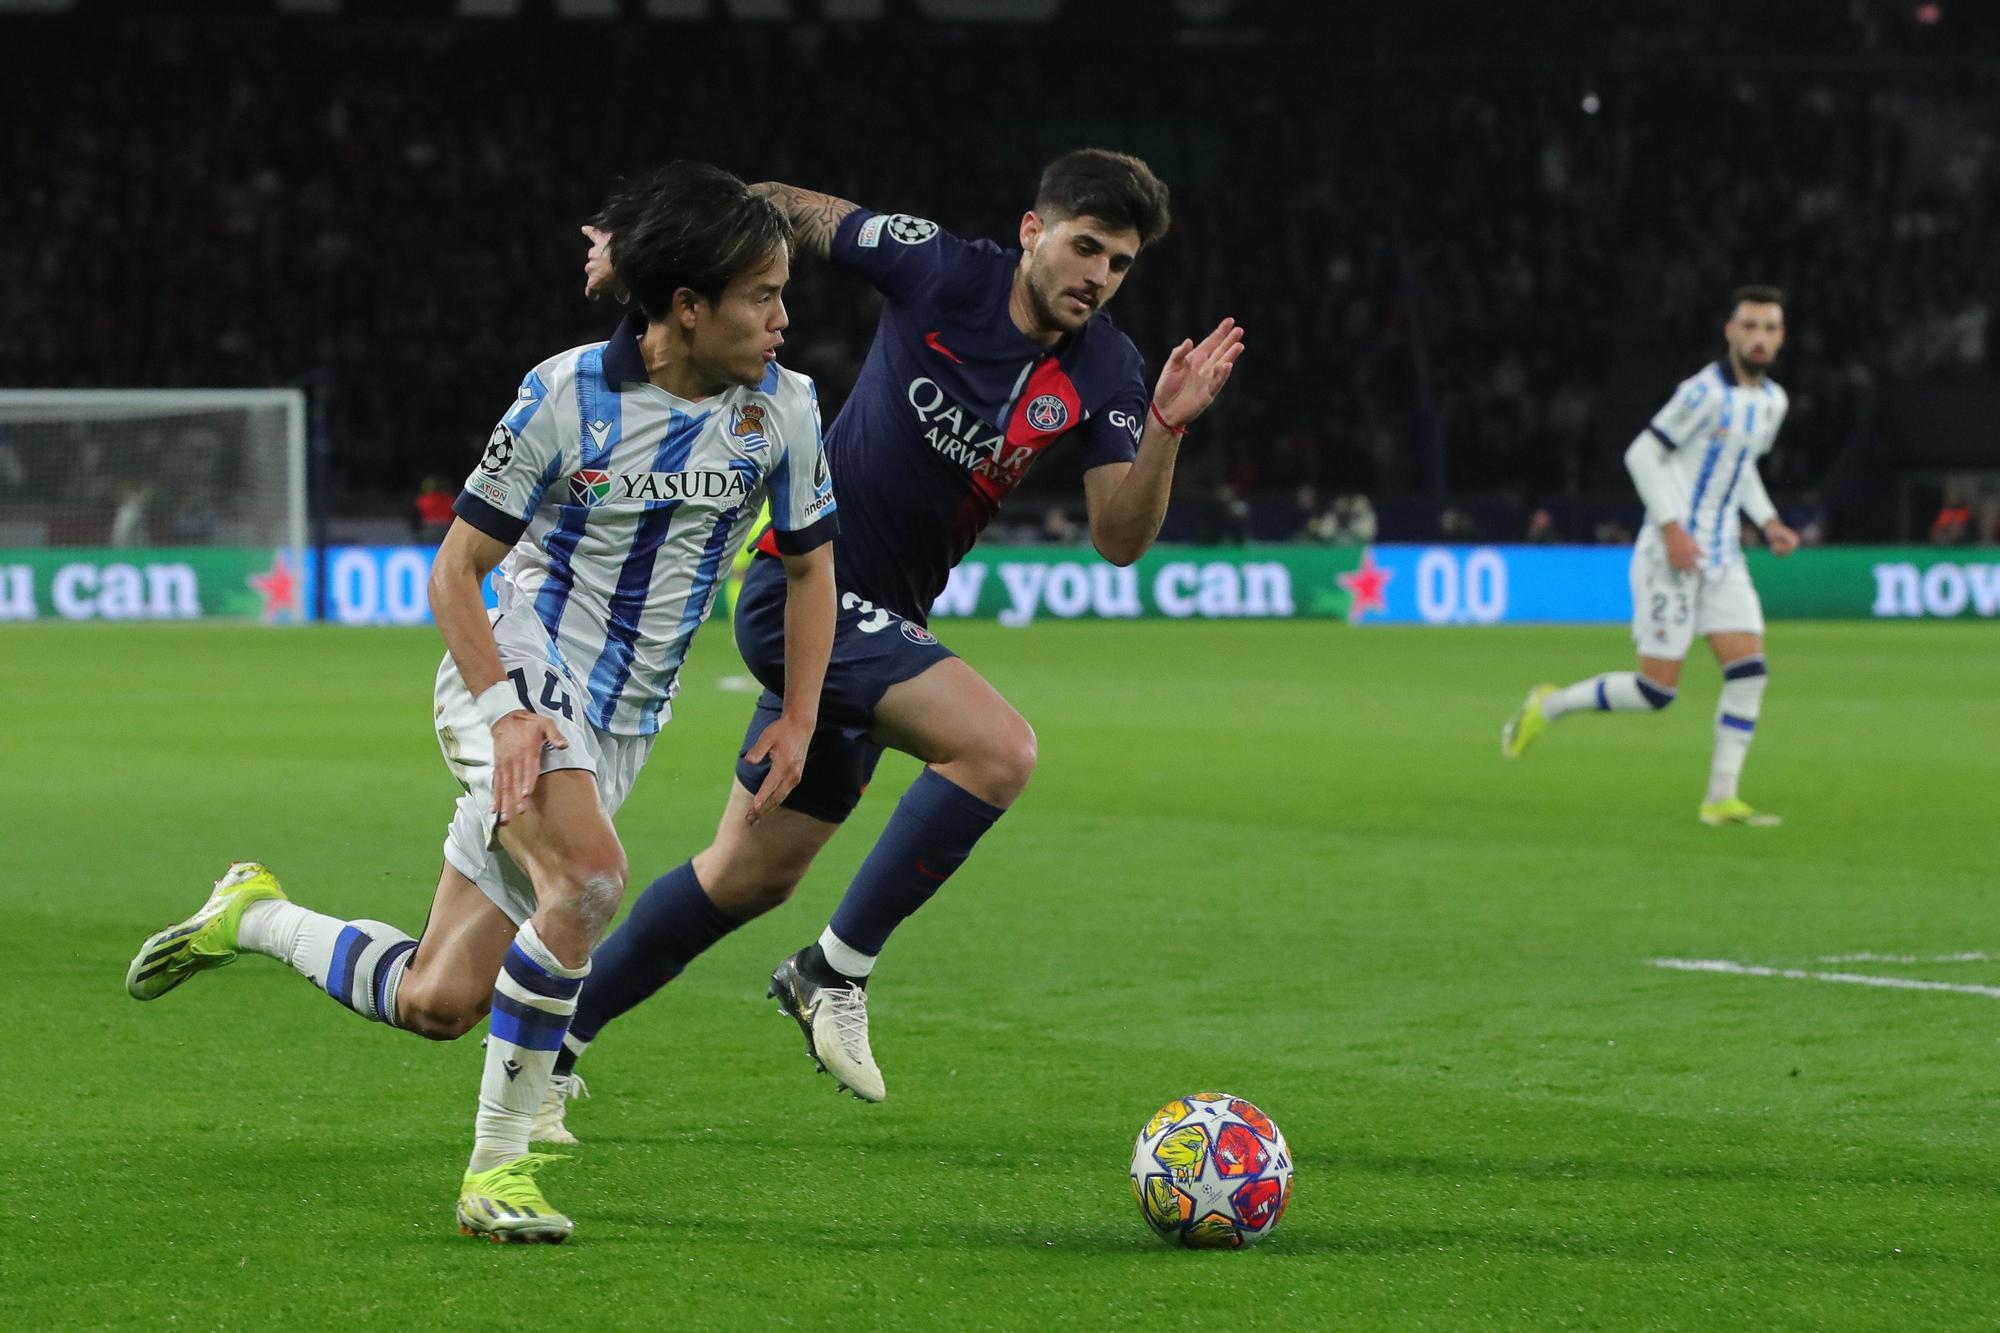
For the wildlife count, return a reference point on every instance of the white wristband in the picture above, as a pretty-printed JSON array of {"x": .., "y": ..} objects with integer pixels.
[{"x": 496, "y": 701}]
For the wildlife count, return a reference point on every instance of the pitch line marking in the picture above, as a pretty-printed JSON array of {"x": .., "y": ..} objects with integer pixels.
[
  {"x": 1906, "y": 958},
  {"x": 1728, "y": 968}
]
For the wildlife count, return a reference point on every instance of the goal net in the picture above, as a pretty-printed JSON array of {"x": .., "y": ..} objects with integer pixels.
[
  {"x": 153, "y": 467},
  {"x": 95, "y": 484}
]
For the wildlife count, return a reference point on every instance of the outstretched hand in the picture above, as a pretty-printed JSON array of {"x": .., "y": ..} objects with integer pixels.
[{"x": 1194, "y": 374}]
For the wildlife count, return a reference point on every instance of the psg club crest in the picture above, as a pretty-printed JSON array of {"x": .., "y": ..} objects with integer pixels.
[
  {"x": 1048, "y": 412},
  {"x": 590, "y": 488},
  {"x": 499, "y": 451},
  {"x": 918, "y": 634}
]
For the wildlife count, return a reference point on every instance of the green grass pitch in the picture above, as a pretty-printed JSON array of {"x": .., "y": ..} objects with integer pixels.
[{"x": 1284, "y": 860}]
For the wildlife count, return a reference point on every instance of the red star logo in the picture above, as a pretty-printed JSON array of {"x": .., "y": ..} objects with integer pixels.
[
  {"x": 1366, "y": 587},
  {"x": 279, "y": 588}
]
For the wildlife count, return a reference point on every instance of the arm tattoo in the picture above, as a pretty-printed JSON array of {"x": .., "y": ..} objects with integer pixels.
[{"x": 815, "y": 217}]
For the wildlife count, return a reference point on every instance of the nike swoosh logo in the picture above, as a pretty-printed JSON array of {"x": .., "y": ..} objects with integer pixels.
[
  {"x": 928, "y": 873},
  {"x": 931, "y": 341}
]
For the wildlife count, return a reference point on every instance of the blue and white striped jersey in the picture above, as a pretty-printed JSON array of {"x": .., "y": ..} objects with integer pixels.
[
  {"x": 626, "y": 506},
  {"x": 1715, "y": 430}
]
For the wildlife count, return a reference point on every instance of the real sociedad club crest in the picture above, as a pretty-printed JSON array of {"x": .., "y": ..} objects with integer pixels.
[
  {"x": 1048, "y": 412},
  {"x": 749, "y": 426},
  {"x": 590, "y": 488}
]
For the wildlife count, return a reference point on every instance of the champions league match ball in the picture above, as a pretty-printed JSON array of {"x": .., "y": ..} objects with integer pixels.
[{"x": 1211, "y": 1172}]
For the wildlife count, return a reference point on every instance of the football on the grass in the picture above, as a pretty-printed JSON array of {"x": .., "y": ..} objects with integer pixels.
[{"x": 1211, "y": 1172}]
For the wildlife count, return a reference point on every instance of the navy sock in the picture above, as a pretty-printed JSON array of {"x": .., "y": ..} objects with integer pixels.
[
  {"x": 813, "y": 964},
  {"x": 933, "y": 830},
  {"x": 671, "y": 924}
]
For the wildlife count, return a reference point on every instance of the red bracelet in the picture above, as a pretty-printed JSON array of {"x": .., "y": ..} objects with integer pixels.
[{"x": 1154, "y": 408}]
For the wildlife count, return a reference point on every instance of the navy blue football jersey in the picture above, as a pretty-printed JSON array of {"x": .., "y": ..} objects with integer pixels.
[{"x": 954, "y": 404}]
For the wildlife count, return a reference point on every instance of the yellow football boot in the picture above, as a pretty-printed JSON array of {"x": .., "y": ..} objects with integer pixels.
[
  {"x": 203, "y": 941},
  {"x": 505, "y": 1204},
  {"x": 1528, "y": 722}
]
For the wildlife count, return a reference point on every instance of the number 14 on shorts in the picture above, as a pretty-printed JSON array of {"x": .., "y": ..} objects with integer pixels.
[{"x": 555, "y": 699}]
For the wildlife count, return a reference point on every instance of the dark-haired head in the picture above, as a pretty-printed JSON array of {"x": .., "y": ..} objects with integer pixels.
[
  {"x": 1117, "y": 189},
  {"x": 706, "y": 260},
  {"x": 1093, "y": 213},
  {"x": 688, "y": 226},
  {"x": 1756, "y": 327},
  {"x": 1756, "y": 294}
]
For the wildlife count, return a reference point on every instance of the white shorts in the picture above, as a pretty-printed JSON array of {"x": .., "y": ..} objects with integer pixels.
[
  {"x": 471, "y": 843},
  {"x": 1670, "y": 608}
]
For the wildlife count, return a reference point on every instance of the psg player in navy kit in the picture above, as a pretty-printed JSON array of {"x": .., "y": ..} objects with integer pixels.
[{"x": 984, "y": 357}]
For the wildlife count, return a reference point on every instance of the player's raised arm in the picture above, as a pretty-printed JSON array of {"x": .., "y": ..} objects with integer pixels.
[
  {"x": 814, "y": 216},
  {"x": 1127, "y": 502}
]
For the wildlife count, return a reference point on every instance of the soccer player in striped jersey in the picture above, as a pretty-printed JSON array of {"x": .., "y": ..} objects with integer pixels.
[
  {"x": 611, "y": 497},
  {"x": 1695, "y": 467},
  {"x": 985, "y": 357}
]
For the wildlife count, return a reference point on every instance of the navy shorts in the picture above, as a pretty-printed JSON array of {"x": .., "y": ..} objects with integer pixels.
[{"x": 872, "y": 650}]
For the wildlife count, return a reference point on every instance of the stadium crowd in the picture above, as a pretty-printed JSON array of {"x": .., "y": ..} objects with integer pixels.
[{"x": 1460, "y": 279}]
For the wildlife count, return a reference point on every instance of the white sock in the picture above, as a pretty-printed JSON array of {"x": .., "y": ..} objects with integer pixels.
[
  {"x": 359, "y": 963},
  {"x": 1612, "y": 692},
  {"x": 534, "y": 999},
  {"x": 273, "y": 928},
  {"x": 843, "y": 957},
  {"x": 1736, "y": 713}
]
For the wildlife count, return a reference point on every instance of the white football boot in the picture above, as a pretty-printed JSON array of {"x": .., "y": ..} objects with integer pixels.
[{"x": 835, "y": 1021}]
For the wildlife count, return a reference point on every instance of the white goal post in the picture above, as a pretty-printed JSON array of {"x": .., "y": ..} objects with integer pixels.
[{"x": 153, "y": 468}]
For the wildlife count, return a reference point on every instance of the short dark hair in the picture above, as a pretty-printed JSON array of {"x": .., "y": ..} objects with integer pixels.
[
  {"x": 1757, "y": 294},
  {"x": 688, "y": 224},
  {"x": 1112, "y": 187}
]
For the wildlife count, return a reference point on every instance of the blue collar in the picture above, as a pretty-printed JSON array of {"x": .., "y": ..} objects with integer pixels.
[
  {"x": 623, "y": 361},
  {"x": 1727, "y": 370}
]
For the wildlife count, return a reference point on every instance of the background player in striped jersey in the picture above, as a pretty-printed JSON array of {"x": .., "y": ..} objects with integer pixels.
[
  {"x": 1695, "y": 466},
  {"x": 624, "y": 479},
  {"x": 984, "y": 357}
]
